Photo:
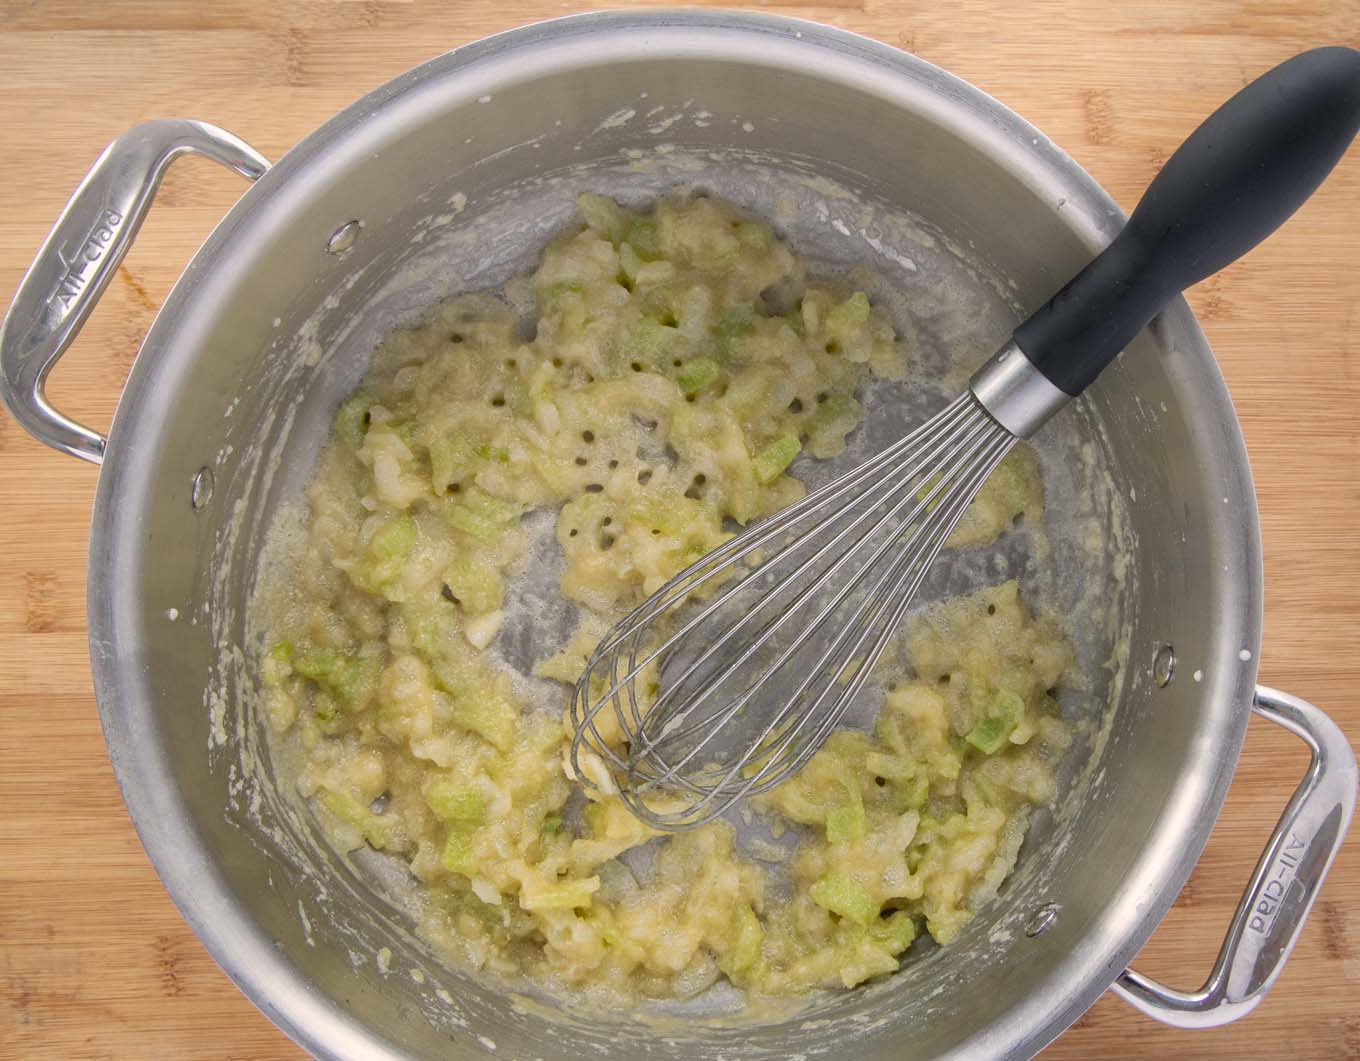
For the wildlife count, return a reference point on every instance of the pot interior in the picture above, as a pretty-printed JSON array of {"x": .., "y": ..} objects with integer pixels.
[{"x": 962, "y": 219}]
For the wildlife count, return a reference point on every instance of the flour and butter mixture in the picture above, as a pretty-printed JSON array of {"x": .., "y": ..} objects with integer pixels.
[{"x": 682, "y": 363}]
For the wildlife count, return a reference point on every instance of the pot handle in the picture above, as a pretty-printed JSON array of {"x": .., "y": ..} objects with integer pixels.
[
  {"x": 79, "y": 257},
  {"x": 1283, "y": 886}
]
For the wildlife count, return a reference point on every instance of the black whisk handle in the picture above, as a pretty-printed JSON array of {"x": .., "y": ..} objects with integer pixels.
[{"x": 1238, "y": 177}]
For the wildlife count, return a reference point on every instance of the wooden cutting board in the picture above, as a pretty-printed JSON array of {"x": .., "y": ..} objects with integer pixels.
[{"x": 96, "y": 961}]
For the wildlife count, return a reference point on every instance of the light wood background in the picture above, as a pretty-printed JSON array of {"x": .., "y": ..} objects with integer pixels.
[{"x": 94, "y": 960}]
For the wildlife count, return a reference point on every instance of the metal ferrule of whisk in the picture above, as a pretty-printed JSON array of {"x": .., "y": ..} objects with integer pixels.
[{"x": 728, "y": 679}]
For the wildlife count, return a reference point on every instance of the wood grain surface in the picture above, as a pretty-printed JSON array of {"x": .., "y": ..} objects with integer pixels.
[{"x": 94, "y": 959}]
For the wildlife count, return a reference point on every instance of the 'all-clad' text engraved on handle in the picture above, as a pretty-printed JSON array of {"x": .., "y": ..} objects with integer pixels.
[
  {"x": 91, "y": 249},
  {"x": 1277, "y": 887}
]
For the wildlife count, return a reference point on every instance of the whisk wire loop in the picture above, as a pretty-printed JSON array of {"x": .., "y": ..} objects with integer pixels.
[{"x": 735, "y": 708}]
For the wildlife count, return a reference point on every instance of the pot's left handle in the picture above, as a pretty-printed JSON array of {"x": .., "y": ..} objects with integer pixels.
[{"x": 79, "y": 257}]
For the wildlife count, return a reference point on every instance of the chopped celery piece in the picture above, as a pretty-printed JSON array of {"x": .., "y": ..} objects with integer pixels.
[
  {"x": 349, "y": 679},
  {"x": 453, "y": 802},
  {"x": 1005, "y": 710},
  {"x": 697, "y": 374},
  {"x": 493, "y": 453},
  {"x": 850, "y": 314},
  {"x": 734, "y": 323},
  {"x": 769, "y": 464},
  {"x": 282, "y": 652},
  {"x": 393, "y": 539},
  {"x": 892, "y": 767},
  {"x": 743, "y": 940},
  {"x": 375, "y": 830},
  {"x": 318, "y": 664},
  {"x": 449, "y": 454},
  {"x": 989, "y": 735},
  {"x": 895, "y": 932},
  {"x": 351, "y": 420},
  {"x": 641, "y": 236},
  {"x": 1009, "y": 706},
  {"x": 482, "y": 515},
  {"x": 563, "y": 895},
  {"x": 489, "y": 718},
  {"x": 476, "y": 587},
  {"x": 843, "y": 897},
  {"x": 603, "y": 215},
  {"x": 845, "y": 823},
  {"x": 737, "y": 320},
  {"x": 552, "y": 825},
  {"x": 837, "y": 409},
  {"x": 651, "y": 340},
  {"x": 457, "y": 856}
]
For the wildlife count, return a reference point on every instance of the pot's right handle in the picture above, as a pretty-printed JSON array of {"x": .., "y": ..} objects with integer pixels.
[
  {"x": 1271, "y": 913},
  {"x": 79, "y": 257}
]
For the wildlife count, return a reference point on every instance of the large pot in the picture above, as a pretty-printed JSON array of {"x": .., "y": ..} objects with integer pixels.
[{"x": 229, "y": 397}]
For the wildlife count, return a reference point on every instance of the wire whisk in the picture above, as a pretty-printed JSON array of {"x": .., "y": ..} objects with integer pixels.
[
  {"x": 730, "y": 677},
  {"x": 798, "y": 608}
]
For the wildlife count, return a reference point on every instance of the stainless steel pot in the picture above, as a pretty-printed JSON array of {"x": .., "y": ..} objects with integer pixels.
[{"x": 229, "y": 396}]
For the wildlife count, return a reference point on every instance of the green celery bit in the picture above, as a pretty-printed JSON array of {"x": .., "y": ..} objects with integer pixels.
[
  {"x": 737, "y": 320},
  {"x": 482, "y": 515},
  {"x": 850, "y": 314},
  {"x": 641, "y": 236},
  {"x": 349, "y": 423},
  {"x": 743, "y": 943},
  {"x": 374, "y": 829},
  {"x": 602, "y": 214},
  {"x": 476, "y": 585},
  {"x": 457, "y": 855},
  {"x": 453, "y": 802},
  {"x": 1009, "y": 707},
  {"x": 989, "y": 735},
  {"x": 350, "y": 679},
  {"x": 838, "y": 408},
  {"x": 845, "y": 823},
  {"x": 843, "y": 897},
  {"x": 769, "y": 464},
  {"x": 552, "y": 825},
  {"x": 492, "y": 720},
  {"x": 493, "y": 453},
  {"x": 318, "y": 664},
  {"x": 894, "y": 933},
  {"x": 282, "y": 652},
  {"x": 651, "y": 340},
  {"x": 393, "y": 539},
  {"x": 697, "y": 374},
  {"x": 892, "y": 767},
  {"x": 734, "y": 323},
  {"x": 564, "y": 895},
  {"x": 448, "y": 454}
]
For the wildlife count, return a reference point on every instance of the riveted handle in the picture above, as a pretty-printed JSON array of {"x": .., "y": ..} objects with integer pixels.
[
  {"x": 79, "y": 257},
  {"x": 1271, "y": 913}
]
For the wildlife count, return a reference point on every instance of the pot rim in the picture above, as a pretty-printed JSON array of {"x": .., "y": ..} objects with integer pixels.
[{"x": 118, "y": 646}]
